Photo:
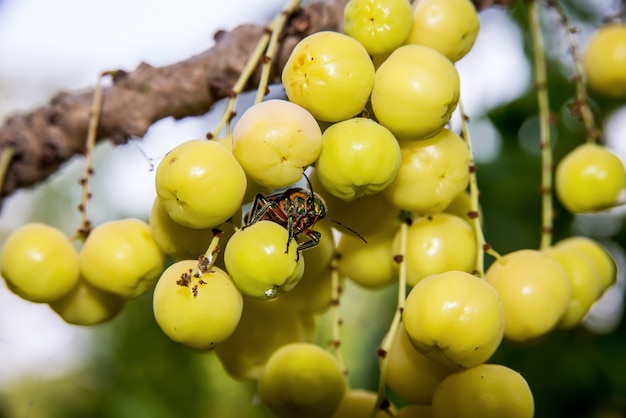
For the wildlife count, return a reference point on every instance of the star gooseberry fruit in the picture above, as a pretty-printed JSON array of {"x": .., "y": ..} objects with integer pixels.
[
  {"x": 590, "y": 178},
  {"x": 302, "y": 380},
  {"x": 198, "y": 310},
  {"x": 39, "y": 263},
  {"x": 121, "y": 257},
  {"x": 200, "y": 184},
  {"x": 329, "y": 74},
  {"x": 256, "y": 259},
  {"x": 454, "y": 318}
]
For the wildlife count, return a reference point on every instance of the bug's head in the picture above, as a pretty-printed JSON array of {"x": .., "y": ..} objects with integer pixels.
[{"x": 315, "y": 201}]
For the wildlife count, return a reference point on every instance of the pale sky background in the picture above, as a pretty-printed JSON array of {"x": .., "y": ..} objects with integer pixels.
[{"x": 49, "y": 46}]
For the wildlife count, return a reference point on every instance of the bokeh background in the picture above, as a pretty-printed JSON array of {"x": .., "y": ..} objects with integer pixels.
[{"x": 128, "y": 368}]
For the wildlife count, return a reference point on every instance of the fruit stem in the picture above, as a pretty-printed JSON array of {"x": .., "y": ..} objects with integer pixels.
[
  {"x": 382, "y": 402},
  {"x": 580, "y": 108},
  {"x": 541, "y": 84},
  {"x": 257, "y": 55},
  {"x": 5, "y": 160},
  {"x": 208, "y": 259},
  {"x": 335, "y": 301},
  {"x": 92, "y": 130},
  {"x": 276, "y": 27},
  {"x": 474, "y": 213}
]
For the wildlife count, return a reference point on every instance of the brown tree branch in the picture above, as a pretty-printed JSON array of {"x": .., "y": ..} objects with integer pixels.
[{"x": 46, "y": 137}]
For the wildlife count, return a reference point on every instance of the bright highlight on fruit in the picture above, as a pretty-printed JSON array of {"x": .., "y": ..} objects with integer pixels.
[
  {"x": 39, "y": 263},
  {"x": 275, "y": 141},
  {"x": 329, "y": 74}
]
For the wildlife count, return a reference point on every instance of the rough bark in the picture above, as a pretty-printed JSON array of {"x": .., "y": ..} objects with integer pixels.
[{"x": 46, "y": 137}]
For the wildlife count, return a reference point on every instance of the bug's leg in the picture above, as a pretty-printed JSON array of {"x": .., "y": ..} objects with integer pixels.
[
  {"x": 289, "y": 233},
  {"x": 314, "y": 236},
  {"x": 259, "y": 207}
]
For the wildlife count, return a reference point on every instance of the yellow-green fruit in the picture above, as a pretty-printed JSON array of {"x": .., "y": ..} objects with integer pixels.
[
  {"x": 275, "y": 141},
  {"x": 416, "y": 89},
  {"x": 264, "y": 327},
  {"x": 370, "y": 264},
  {"x": 449, "y": 26},
  {"x": 359, "y": 157},
  {"x": 454, "y": 318},
  {"x": 604, "y": 60},
  {"x": 435, "y": 244},
  {"x": 200, "y": 184},
  {"x": 262, "y": 261},
  {"x": 410, "y": 374},
  {"x": 600, "y": 257},
  {"x": 584, "y": 280},
  {"x": 534, "y": 290},
  {"x": 198, "y": 310},
  {"x": 433, "y": 172},
  {"x": 590, "y": 178},
  {"x": 329, "y": 74},
  {"x": 379, "y": 25},
  {"x": 485, "y": 391},
  {"x": 39, "y": 263},
  {"x": 174, "y": 239},
  {"x": 302, "y": 380},
  {"x": 121, "y": 257},
  {"x": 358, "y": 403},
  {"x": 87, "y": 305}
]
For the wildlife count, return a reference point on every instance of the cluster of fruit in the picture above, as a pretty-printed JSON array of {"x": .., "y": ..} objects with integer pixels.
[
  {"x": 368, "y": 109},
  {"x": 118, "y": 261}
]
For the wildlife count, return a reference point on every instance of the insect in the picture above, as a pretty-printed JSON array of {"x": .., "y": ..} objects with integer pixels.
[{"x": 296, "y": 209}]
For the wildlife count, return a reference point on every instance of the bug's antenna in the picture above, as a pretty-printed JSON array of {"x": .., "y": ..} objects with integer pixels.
[
  {"x": 346, "y": 227},
  {"x": 309, "y": 183}
]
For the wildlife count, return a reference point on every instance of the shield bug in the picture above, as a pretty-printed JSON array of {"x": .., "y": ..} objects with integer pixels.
[{"x": 296, "y": 209}]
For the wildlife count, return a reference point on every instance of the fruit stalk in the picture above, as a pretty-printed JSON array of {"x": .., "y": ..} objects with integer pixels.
[
  {"x": 264, "y": 53},
  {"x": 541, "y": 84},
  {"x": 335, "y": 300},
  {"x": 92, "y": 130},
  {"x": 481, "y": 245}
]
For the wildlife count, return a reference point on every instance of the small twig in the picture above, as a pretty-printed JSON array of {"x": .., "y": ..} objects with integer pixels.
[
  {"x": 269, "y": 37},
  {"x": 541, "y": 85},
  {"x": 5, "y": 161},
  {"x": 474, "y": 214},
  {"x": 335, "y": 301},
  {"x": 90, "y": 143}
]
